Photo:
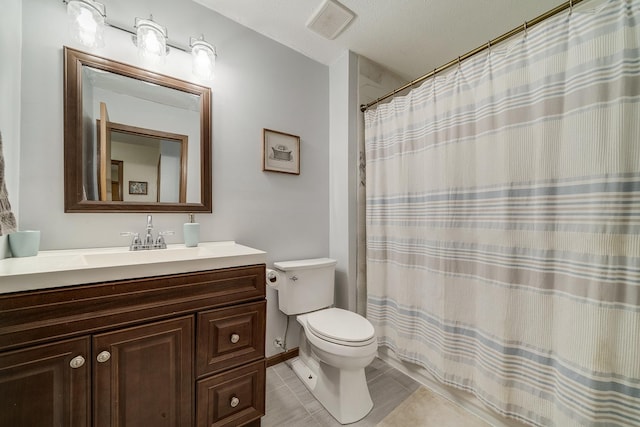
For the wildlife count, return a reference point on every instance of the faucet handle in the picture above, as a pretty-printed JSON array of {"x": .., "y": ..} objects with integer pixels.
[
  {"x": 136, "y": 237},
  {"x": 160, "y": 239}
]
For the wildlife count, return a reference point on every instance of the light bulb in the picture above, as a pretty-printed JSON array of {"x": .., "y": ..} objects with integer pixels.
[
  {"x": 151, "y": 39},
  {"x": 87, "y": 22},
  {"x": 204, "y": 59}
]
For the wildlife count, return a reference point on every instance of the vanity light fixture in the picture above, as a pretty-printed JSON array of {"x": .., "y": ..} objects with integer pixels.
[
  {"x": 151, "y": 39},
  {"x": 87, "y": 21},
  {"x": 203, "y": 55},
  {"x": 88, "y": 18}
]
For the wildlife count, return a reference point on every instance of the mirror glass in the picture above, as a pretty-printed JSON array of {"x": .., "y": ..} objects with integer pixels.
[{"x": 135, "y": 141}]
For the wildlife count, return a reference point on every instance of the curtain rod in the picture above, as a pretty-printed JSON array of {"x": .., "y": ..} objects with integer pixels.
[{"x": 527, "y": 24}]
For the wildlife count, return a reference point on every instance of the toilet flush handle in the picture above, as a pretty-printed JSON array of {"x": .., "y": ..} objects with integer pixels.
[{"x": 294, "y": 278}]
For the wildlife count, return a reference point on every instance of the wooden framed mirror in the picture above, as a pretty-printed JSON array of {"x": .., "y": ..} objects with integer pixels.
[{"x": 128, "y": 128}]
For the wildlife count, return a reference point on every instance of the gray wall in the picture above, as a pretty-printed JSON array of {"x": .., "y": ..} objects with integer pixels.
[
  {"x": 343, "y": 155},
  {"x": 10, "y": 42},
  {"x": 259, "y": 84}
]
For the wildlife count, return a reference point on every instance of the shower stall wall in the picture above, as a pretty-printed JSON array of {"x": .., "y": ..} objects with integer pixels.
[{"x": 503, "y": 222}]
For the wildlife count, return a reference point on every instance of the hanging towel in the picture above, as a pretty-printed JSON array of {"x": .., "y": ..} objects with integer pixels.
[{"x": 7, "y": 219}]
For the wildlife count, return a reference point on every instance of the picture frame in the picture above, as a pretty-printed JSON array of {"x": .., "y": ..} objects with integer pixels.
[
  {"x": 138, "y": 187},
  {"x": 280, "y": 152}
]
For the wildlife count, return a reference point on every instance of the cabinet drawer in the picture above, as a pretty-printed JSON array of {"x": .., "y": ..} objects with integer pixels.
[
  {"x": 232, "y": 398},
  {"x": 230, "y": 337},
  {"x": 35, "y": 317}
]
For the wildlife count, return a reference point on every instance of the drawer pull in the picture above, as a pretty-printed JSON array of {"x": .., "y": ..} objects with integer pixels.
[
  {"x": 235, "y": 338},
  {"x": 103, "y": 356},
  {"x": 234, "y": 402},
  {"x": 76, "y": 362}
]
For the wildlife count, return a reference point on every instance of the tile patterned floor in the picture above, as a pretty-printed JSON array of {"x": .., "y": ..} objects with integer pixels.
[
  {"x": 427, "y": 409},
  {"x": 289, "y": 403}
]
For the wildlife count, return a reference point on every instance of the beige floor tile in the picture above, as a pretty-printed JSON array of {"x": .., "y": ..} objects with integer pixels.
[
  {"x": 284, "y": 371},
  {"x": 387, "y": 394},
  {"x": 376, "y": 368},
  {"x": 398, "y": 400},
  {"x": 273, "y": 380},
  {"x": 426, "y": 409},
  {"x": 304, "y": 396},
  {"x": 283, "y": 408},
  {"x": 404, "y": 380}
]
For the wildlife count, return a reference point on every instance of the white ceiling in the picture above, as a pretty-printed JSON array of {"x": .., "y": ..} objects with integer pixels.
[{"x": 408, "y": 37}]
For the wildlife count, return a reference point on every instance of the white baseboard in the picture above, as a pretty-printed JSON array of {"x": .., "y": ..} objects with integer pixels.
[{"x": 463, "y": 399}]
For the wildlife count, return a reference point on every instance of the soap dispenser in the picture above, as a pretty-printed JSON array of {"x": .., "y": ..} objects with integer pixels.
[{"x": 191, "y": 232}]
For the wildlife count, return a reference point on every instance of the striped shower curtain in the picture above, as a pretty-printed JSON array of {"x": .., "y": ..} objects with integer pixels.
[{"x": 503, "y": 222}]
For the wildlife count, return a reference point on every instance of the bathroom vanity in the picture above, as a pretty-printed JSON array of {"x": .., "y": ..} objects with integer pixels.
[{"x": 112, "y": 338}]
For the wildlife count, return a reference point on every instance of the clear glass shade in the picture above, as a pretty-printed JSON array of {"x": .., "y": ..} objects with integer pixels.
[
  {"x": 151, "y": 40},
  {"x": 204, "y": 59},
  {"x": 87, "y": 22}
]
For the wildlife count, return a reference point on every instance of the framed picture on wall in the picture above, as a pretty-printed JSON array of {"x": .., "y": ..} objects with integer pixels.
[
  {"x": 138, "y": 187},
  {"x": 280, "y": 152}
]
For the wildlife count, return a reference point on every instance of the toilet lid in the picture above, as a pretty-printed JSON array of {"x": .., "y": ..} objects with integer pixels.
[{"x": 336, "y": 324}]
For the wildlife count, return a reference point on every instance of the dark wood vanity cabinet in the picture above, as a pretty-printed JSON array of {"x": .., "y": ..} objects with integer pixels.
[
  {"x": 38, "y": 386},
  {"x": 178, "y": 350},
  {"x": 143, "y": 375}
]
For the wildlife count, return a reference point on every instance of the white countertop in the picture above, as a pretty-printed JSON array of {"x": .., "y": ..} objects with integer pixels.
[{"x": 51, "y": 269}]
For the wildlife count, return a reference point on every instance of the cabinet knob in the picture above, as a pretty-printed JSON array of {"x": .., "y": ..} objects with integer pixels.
[
  {"x": 235, "y": 338},
  {"x": 234, "y": 402},
  {"x": 76, "y": 362},
  {"x": 103, "y": 356}
]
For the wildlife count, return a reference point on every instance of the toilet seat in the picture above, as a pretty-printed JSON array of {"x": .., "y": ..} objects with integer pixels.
[{"x": 341, "y": 327}]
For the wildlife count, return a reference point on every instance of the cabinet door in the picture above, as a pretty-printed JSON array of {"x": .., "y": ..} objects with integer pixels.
[
  {"x": 143, "y": 375},
  {"x": 46, "y": 385}
]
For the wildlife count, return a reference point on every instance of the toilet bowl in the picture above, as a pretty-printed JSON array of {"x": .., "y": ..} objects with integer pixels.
[
  {"x": 340, "y": 338},
  {"x": 335, "y": 344},
  {"x": 332, "y": 367}
]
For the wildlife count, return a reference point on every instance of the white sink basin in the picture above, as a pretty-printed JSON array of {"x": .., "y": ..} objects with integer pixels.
[
  {"x": 70, "y": 267},
  {"x": 139, "y": 257},
  {"x": 123, "y": 256}
]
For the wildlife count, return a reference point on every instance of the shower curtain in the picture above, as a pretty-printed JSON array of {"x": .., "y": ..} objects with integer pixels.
[{"x": 503, "y": 222}]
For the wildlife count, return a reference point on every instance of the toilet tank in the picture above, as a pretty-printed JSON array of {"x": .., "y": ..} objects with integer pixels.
[{"x": 305, "y": 285}]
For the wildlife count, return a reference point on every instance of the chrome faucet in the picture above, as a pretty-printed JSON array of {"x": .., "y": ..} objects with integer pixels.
[
  {"x": 149, "y": 242},
  {"x": 148, "y": 239}
]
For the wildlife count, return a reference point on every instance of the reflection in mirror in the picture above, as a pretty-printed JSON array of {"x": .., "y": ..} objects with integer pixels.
[
  {"x": 125, "y": 125},
  {"x": 143, "y": 155}
]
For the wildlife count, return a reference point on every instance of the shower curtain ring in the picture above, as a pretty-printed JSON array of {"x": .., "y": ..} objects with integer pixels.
[
  {"x": 570, "y": 7},
  {"x": 458, "y": 62},
  {"x": 525, "y": 28},
  {"x": 489, "y": 46}
]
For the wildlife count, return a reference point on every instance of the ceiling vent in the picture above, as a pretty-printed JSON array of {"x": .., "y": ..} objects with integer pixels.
[{"x": 330, "y": 19}]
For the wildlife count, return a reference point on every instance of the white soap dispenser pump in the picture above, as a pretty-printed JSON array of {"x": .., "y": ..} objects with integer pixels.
[{"x": 191, "y": 232}]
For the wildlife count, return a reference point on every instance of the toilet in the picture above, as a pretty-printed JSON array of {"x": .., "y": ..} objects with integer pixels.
[{"x": 335, "y": 344}]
